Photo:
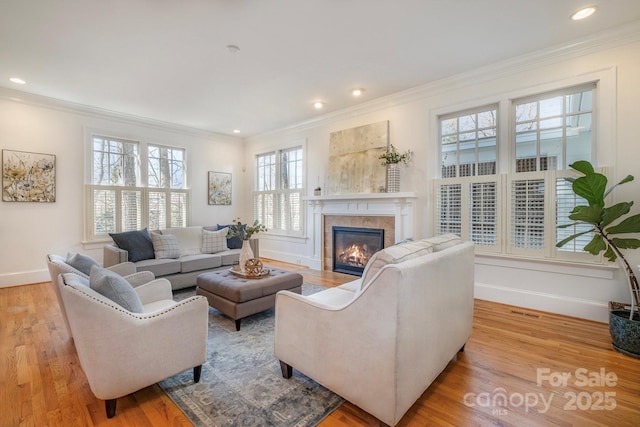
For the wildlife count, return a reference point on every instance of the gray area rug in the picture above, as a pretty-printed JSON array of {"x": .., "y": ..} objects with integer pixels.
[{"x": 241, "y": 382}]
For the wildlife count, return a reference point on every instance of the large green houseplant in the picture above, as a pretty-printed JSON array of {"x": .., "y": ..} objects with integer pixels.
[{"x": 607, "y": 223}]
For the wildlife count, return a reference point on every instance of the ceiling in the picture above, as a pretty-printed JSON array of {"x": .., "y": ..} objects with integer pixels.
[{"x": 168, "y": 60}]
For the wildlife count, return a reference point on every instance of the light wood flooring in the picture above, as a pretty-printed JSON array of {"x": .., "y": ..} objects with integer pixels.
[{"x": 42, "y": 384}]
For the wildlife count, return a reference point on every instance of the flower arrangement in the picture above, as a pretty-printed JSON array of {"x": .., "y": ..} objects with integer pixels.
[
  {"x": 244, "y": 231},
  {"x": 393, "y": 157}
]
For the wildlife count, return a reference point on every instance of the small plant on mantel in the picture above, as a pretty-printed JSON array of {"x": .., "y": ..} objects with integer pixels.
[{"x": 393, "y": 157}]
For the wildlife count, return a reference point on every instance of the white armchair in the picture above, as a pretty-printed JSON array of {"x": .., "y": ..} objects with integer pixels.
[
  {"x": 58, "y": 265},
  {"x": 387, "y": 336},
  {"x": 122, "y": 352}
]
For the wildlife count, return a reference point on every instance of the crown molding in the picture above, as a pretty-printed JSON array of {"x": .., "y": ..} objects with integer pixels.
[
  {"x": 36, "y": 100},
  {"x": 594, "y": 43}
]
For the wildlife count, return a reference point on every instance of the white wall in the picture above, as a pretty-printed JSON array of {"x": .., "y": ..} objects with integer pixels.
[
  {"x": 572, "y": 289},
  {"x": 29, "y": 231}
]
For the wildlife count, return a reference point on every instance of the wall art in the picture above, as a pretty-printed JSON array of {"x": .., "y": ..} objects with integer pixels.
[
  {"x": 219, "y": 188},
  {"x": 28, "y": 177},
  {"x": 354, "y": 166}
]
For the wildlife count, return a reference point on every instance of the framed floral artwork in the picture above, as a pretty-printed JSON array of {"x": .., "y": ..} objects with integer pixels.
[
  {"x": 219, "y": 188},
  {"x": 28, "y": 177}
]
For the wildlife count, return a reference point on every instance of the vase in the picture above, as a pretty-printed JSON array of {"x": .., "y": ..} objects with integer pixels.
[
  {"x": 393, "y": 178},
  {"x": 246, "y": 253}
]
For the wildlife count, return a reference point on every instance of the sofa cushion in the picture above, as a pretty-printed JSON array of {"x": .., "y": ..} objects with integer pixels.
[
  {"x": 443, "y": 241},
  {"x": 230, "y": 257},
  {"x": 214, "y": 241},
  {"x": 81, "y": 262},
  {"x": 394, "y": 255},
  {"x": 159, "y": 267},
  {"x": 199, "y": 262},
  {"x": 233, "y": 242},
  {"x": 116, "y": 288},
  {"x": 137, "y": 243},
  {"x": 165, "y": 245},
  {"x": 189, "y": 238}
]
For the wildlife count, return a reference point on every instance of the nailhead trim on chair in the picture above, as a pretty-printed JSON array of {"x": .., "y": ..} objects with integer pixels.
[{"x": 136, "y": 315}]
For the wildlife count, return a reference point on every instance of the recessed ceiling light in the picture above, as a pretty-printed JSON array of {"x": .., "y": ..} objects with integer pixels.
[
  {"x": 357, "y": 92},
  {"x": 236, "y": 131},
  {"x": 232, "y": 48},
  {"x": 17, "y": 80},
  {"x": 318, "y": 105},
  {"x": 585, "y": 12}
]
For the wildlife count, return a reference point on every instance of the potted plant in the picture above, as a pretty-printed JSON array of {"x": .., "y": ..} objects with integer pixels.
[
  {"x": 392, "y": 159},
  {"x": 606, "y": 224},
  {"x": 244, "y": 232}
]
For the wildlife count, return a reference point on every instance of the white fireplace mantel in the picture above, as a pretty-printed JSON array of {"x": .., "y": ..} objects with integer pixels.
[{"x": 401, "y": 206}]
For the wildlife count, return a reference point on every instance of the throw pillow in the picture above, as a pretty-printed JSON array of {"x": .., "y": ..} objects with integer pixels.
[
  {"x": 189, "y": 239},
  {"x": 116, "y": 288},
  {"x": 81, "y": 262},
  {"x": 137, "y": 243},
  {"x": 234, "y": 242},
  {"x": 214, "y": 241},
  {"x": 443, "y": 241},
  {"x": 394, "y": 255},
  {"x": 165, "y": 245}
]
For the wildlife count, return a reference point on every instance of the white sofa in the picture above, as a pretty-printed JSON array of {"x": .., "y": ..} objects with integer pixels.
[
  {"x": 381, "y": 340},
  {"x": 181, "y": 268}
]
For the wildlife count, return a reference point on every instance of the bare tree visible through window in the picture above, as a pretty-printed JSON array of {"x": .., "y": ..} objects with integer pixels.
[
  {"x": 118, "y": 191},
  {"x": 278, "y": 202}
]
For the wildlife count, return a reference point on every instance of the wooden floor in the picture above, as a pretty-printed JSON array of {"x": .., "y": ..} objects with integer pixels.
[{"x": 509, "y": 375}]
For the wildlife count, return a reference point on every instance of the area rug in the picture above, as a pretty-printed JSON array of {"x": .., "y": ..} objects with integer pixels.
[{"x": 241, "y": 382}]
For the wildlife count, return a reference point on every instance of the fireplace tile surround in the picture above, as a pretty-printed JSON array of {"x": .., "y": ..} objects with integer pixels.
[{"x": 393, "y": 212}]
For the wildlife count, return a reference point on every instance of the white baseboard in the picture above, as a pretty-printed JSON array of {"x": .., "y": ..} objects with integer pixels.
[
  {"x": 24, "y": 278},
  {"x": 568, "y": 306},
  {"x": 286, "y": 257}
]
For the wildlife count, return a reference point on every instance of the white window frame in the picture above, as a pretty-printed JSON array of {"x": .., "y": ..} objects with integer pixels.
[
  {"x": 141, "y": 187},
  {"x": 604, "y": 130},
  {"x": 279, "y": 192}
]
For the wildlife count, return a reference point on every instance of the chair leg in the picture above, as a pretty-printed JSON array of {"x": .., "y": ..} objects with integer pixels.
[
  {"x": 196, "y": 373},
  {"x": 110, "y": 406},
  {"x": 287, "y": 370}
]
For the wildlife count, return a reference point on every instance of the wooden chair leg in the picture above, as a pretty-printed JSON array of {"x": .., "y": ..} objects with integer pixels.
[
  {"x": 287, "y": 370},
  {"x": 110, "y": 406},
  {"x": 196, "y": 373}
]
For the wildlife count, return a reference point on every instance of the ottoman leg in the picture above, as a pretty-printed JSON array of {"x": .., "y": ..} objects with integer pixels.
[{"x": 238, "y": 321}]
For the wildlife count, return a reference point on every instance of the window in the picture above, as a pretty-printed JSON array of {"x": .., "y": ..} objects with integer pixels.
[
  {"x": 279, "y": 190},
  {"x": 135, "y": 186},
  {"x": 482, "y": 203},
  {"x": 468, "y": 143}
]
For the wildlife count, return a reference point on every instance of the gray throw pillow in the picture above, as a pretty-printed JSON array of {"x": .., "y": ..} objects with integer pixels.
[
  {"x": 137, "y": 243},
  {"x": 81, "y": 262},
  {"x": 116, "y": 288}
]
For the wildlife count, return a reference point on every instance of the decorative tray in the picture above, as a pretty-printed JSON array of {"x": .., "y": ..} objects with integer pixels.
[{"x": 236, "y": 271}]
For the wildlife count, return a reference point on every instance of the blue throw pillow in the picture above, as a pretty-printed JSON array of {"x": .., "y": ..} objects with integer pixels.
[
  {"x": 138, "y": 243},
  {"x": 81, "y": 262},
  {"x": 116, "y": 288},
  {"x": 234, "y": 242}
]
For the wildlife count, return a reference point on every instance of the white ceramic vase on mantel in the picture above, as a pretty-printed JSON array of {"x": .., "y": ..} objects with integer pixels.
[
  {"x": 393, "y": 178},
  {"x": 246, "y": 253}
]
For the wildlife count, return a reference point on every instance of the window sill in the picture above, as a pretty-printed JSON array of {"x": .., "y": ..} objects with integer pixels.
[
  {"x": 604, "y": 271},
  {"x": 281, "y": 237}
]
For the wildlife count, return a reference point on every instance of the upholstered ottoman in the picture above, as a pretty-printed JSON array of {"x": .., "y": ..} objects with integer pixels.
[{"x": 238, "y": 297}]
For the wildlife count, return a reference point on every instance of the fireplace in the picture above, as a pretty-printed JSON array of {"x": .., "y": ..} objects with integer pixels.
[{"x": 352, "y": 248}]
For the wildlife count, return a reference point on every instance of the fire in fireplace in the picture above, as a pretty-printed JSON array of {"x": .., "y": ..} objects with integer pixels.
[{"x": 352, "y": 248}]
